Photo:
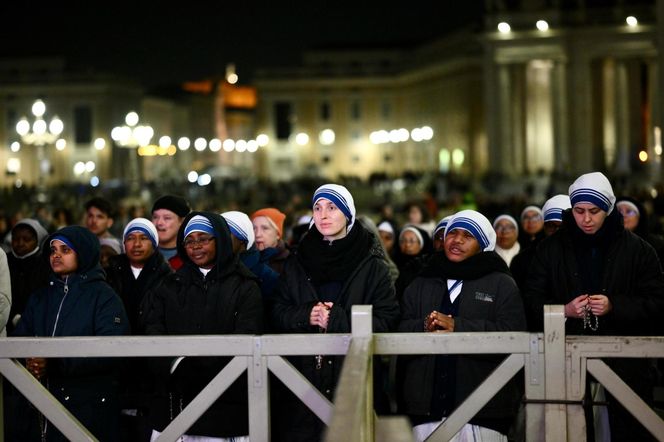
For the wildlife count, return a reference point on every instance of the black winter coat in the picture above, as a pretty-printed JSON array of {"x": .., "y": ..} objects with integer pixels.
[
  {"x": 632, "y": 279},
  {"x": 487, "y": 304},
  {"x": 295, "y": 296},
  {"x": 225, "y": 301}
]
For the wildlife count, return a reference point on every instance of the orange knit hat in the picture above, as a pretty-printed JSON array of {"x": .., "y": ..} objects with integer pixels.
[{"x": 273, "y": 215}]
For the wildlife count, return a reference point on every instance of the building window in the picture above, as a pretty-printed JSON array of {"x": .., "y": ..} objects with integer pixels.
[
  {"x": 355, "y": 110},
  {"x": 325, "y": 110},
  {"x": 82, "y": 125},
  {"x": 282, "y": 113}
]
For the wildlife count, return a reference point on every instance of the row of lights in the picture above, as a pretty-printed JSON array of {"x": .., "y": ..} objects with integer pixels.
[
  {"x": 424, "y": 133},
  {"x": 543, "y": 25}
]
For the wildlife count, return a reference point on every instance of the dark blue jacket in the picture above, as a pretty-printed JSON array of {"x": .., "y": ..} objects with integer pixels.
[{"x": 82, "y": 304}]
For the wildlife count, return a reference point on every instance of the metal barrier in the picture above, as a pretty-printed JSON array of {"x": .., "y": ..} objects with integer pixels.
[{"x": 554, "y": 366}]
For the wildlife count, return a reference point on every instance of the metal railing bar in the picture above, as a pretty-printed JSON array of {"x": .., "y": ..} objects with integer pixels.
[
  {"x": 301, "y": 387},
  {"x": 626, "y": 396},
  {"x": 44, "y": 401},
  {"x": 478, "y": 398},
  {"x": 204, "y": 400}
]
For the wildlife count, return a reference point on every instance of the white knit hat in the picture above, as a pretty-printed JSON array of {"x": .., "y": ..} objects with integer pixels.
[
  {"x": 553, "y": 207},
  {"x": 145, "y": 226},
  {"x": 593, "y": 188},
  {"x": 341, "y": 198},
  {"x": 241, "y": 226},
  {"x": 477, "y": 225}
]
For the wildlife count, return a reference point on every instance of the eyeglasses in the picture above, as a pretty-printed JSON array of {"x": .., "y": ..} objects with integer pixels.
[
  {"x": 203, "y": 241},
  {"x": 500, "y": 229},
  {"x": 628, "y": 212},
  {"x": 408, "y": 241}
]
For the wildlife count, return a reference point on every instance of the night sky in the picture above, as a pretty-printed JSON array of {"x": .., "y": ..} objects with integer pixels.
[{"x": 161, "y": 45}]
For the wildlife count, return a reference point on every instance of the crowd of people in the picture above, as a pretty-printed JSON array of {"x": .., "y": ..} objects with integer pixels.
[{"x": 178, "y": 271}]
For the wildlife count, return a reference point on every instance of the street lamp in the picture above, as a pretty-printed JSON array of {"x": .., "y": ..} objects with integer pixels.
[
  {"x": 132, "y": 135},
  {"x": 39, "y": 133}
]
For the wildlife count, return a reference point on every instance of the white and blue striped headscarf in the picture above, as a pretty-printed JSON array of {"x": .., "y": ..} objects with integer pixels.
[
  {"x": 477, "y": 225},
  {"x": 145, "y": 226},
  {"x": 593, "y": 188},
  {"x": 341, "y": 198},
  {"x": 553, "y": 207},
  {"x": 442, "y": 224},
  {"x": 241, "y": 226},
  {"x": 199, "y": 223}
]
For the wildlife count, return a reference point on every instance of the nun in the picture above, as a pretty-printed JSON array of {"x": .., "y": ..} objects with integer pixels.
[
  {"x": 507, "y": 233},
  {"x": 609, "y": 280},
  {"x": 466, "y": 288},
  {"x": 338, "y": 264}
]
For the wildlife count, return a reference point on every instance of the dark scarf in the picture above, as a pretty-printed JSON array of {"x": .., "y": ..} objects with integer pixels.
[
  {"x": 325, "y": 262},
  {"x": 591, "y": 250},
  {"x": 470, "y": 268}
]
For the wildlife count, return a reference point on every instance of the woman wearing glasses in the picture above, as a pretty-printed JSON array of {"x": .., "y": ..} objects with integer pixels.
[{"x": 210, "y": 294}]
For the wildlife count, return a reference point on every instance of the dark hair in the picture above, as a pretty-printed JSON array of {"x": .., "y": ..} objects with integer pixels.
[{"x": 102, "y": 204}]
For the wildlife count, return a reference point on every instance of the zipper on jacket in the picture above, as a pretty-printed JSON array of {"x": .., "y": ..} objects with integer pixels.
[{"x": 62, "y": 301}]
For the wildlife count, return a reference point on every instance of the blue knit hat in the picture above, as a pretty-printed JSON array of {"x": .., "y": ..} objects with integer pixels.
[
  {"x": 199, "y": 223},
  {"x": 341, "y": 198},
  {"x": 477, "y": 225},
  {"x": 593, "y": 188},
  {"x": 145, "y": 226},
  {"x": 64, "y": 239}
]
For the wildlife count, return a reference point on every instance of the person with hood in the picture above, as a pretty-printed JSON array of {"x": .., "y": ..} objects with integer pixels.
[
  {"x": 465, "y": 288},
  {"x": 76, "y": 302},
  {"x": 28, "y": 270},
  {"x": 269, "y": 237},
  {"x": 338, "y": 264},
  {"x": 132, "y": 274},
  {"x": 507, "y": 231},
  {"x": 212, "y": 293},
  {"x": 635, "y": 219},
  {"x": 414, "y": 250},
  {"x": 532, "y": 225},
  {"x": 610, "y": 282}
]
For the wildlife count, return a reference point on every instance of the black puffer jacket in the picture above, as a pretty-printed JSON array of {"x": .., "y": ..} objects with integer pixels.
[
  {"x": 631, "y": 278},
  {"x": 225, "y": 301}
]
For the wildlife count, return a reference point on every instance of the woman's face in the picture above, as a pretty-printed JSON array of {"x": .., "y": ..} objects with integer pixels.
[
  {"x": 63, "y": 259},
  {"x": 588, "y": 217},
  {"x": 439, "y": 240},
  {"x": 409, "y": 243},
  {"x": 388, "y": 239},
  {"x": 532, "y": 222},
  {"x": 630, "y": 216},
  {"x": 329, "y": 220},
  {"x": 506, "y": 235},
  {"x": 24, "y": 240},
  {"x": 138, "y": 248},
  {"x": 460, "y": 245},
  {"x": 201, "y": 248},
  {"x": 415, "y": 215},
  {"x": 266, "y": 234}
]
